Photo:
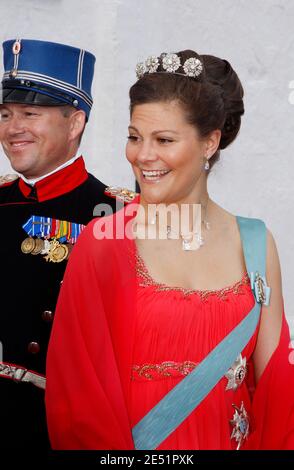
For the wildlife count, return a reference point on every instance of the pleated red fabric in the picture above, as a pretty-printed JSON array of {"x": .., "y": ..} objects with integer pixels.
[{"x": 121, "y": 341}]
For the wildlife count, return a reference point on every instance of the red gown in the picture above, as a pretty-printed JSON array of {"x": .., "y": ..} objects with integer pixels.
[{"x": 119, "y": 345}]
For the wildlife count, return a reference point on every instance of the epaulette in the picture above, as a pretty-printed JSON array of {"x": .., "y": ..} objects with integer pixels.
[
  {"x": 8, "y": 179},
  {"x": 122, "y": 194}
]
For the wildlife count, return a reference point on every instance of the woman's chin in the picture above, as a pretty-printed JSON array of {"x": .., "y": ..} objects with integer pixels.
[
  {"x": 149, "y": 198},
  {"x": 156, "y": 193}
]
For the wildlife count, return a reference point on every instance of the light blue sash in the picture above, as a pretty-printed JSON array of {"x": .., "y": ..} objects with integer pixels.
[{"x": 177, "y": 405}]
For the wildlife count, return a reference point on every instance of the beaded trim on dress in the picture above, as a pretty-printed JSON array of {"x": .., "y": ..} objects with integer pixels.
[
  {"x": 162, "y": 370},
  {"x": 146, "y": 280}
]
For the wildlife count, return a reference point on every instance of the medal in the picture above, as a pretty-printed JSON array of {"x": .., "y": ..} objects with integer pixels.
[
  {"x": 53, "y": 238},
  {"x": 39, "y": 245},
  {"x": 53, "y": 244},
  {"x": 46, "y": 248},
  {"x": 57, "y": 252},
  {"x": 28, "y": 245},
  {"x": 237, "y": 373},
  {"x": 60, "y": 253},
  {"x": 240, "y": 423}
]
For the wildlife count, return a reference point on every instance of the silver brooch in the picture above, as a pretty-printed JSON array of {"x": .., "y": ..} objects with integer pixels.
[
  {"x": 240, "y": 422},
  {"x": 171, "y": 62},
  {"x": 193, "y": 67},
  {"x": 140, "y": 69},
  {"x": 152, "y": 64},
  {"x": 260, "y": 288},
  {"x": 237, "y": 373}
]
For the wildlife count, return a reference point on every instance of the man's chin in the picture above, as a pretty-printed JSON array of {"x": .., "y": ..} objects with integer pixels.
[{"x": 24, "y": 168}]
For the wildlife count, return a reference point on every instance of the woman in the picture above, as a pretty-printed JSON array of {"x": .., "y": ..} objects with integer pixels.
[{"x": 139, "y": 314}]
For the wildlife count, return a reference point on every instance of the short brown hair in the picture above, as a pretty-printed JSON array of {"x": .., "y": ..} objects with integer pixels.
[{"x": 66, "y": 110}]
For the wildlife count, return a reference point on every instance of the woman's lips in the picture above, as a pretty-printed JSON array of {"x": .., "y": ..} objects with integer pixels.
[{"x": 154, "y": 176}]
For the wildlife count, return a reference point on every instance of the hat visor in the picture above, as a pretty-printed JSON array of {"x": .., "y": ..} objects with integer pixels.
[{"x": 18, "y": 95}]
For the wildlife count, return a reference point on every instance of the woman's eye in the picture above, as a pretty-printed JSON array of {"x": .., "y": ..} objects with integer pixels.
[
  {"x": 162, "y": 140},
  {"x": 132, "y": 138}
]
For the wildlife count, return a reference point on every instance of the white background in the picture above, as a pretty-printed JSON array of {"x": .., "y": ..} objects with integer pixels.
[{"x": 255, "y": 174}]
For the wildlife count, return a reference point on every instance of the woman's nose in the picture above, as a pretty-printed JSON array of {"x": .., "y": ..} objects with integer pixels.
[{"x": 146, "y": 153}]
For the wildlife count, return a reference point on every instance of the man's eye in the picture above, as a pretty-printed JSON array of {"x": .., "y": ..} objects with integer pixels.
[
  {"x": 3, "y": 116},
  {"x": 31, "y": 114}
]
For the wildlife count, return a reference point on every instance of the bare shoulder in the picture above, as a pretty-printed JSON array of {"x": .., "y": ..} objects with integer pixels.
[
  {"x": 271, "y": 315},
  {"x": 273, "y": 268}
]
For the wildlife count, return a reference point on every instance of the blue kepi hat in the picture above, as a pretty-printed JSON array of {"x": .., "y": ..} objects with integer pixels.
[{"x": 47, "y": 74}]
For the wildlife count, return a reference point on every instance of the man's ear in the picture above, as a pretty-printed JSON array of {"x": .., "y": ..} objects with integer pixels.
[{"x": 77, "y": 124}]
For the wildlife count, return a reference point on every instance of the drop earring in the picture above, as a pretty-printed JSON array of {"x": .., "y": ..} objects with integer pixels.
[{"x": 206, "y": 166}]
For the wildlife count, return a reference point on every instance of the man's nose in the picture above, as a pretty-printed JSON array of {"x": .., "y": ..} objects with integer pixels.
[{"x": 15, "y": 125}]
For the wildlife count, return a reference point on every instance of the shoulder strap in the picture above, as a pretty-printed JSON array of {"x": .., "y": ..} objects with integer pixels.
[
  {"x": 7, "y": 180},
  {"x": 253, "y": 236},
  {"x": 179, "y": 403}
]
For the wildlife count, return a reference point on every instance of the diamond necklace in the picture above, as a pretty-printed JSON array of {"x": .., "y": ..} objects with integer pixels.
[{"x": 187, "y": 240}]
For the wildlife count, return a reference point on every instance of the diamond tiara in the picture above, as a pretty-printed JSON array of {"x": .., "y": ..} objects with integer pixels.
[{"x": 170, "y": 63}]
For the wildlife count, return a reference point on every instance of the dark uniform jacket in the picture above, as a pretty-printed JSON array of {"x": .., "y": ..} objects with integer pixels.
[{"x": 29, "y": 291}]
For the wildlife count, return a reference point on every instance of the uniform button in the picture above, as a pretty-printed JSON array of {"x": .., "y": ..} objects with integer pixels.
[
  {"x": 47, "y": 315},
  {"x": 33, "y": 347}
]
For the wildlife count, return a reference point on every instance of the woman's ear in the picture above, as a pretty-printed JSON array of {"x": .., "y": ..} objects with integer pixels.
[{"x": 212, "y": 142}]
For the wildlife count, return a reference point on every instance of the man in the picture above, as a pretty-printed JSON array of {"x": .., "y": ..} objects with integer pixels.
[{"x": 46, "y": 103}]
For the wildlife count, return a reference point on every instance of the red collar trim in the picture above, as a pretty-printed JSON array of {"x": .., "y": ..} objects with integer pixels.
[{"x": 57, "y": 184}]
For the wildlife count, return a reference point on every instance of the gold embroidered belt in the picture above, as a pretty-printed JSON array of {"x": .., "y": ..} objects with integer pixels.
[{"x": 20, "y": 374}]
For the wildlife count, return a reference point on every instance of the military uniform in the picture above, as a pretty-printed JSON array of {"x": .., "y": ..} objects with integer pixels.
[
  {"x": 30, "y": 287},
  {"x": 38, "y": 73}
]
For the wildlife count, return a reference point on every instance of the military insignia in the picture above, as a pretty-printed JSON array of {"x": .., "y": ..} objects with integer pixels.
[
  {"x": 16, "y": 47},
  {"x": 32, "y": 245},
  {"x": 240, "y": 423},
  {"x": 13, "y": 73},
  {"x": 58, "y": 252},
  {"x": 27, "y": 245},
  {"x": 39, "y": 245},
  {"x": 237, "y": 373},
  {"x": 260, "y": 288},
  {"x": 7, "y": 179},
  {"x": 122, "y": 194},
  {"x": 46, "y": 248},
  {"x": 50, "y": 237}
]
